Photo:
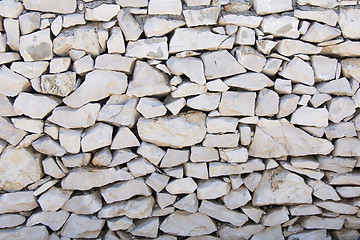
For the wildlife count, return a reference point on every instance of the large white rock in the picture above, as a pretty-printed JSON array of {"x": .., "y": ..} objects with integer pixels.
[
  {"x": 347, "y": 147},
  {"x": 237, "y": 198},
  {"x": 147, "y": 81},
  {"x": 48, "y": 146},
  {"x": 285, "y": 26},
  {"x": 263, "y": 7},
  {"x": 221, "y": 213},
  {"x": 66, "y": 6},
  {"x": 18, "y": 168},
  {"x": 115, "y": 62},
  {"x": 75, "y": 118},
  {"x": 315, "y": 222},
  {"x": 53, "y": 199},
  {"x": 104, "y": 12},
  {"x": 146, "y": 228},
  {"x": 306, "y": 116},
  {"x": 125, "y": 190},
  {"x": 329, "y": 17},
  {"x": 279, "y": 186},
  {"x": 320, "y": 3},
  {"x": 129, "y": 26},
  {"x": 124, "y": 138},
  {"x": 84, "y": 38},
  {"x": 212, "y": 188},
  {"x": 155, "y": 26},
  {"x": 190, "y": 66},
  {"x": 298, "y": 71},
  {"x": 349, "y": 23},
  {"x": 83, "y": 204},
  {"x": 350, "y": 68},
  {"x": 240, "y": 20},
  {"x": 34, "y": 105},
  {"x": 178, "y": 131},
  {"x": 98, "y": 84},
  {"x": 340, "y": 108},
  {"x": 181, "y": 186},
  {"x": 198, "y": 38},
  {"x": 150, "y": 48},
  {"x": 11, "y": 8},
  {"x": 276, "y": 138},
  {"x": 60, "y": 84},
  {"x": 54, "y": 220},
  {"x": 320, "y": 33},
  {"x": 205, "y": 102},
  {"x": 17, "y": 202},
  {"x": 205, "y": 16},
  {"x": 249, "y": 58},
  {"x": 25, "y": 233},
  {"x": 36, "y": 46},
  {"x": 250, "y": 81},
  {"x": 337, "y": 207},
  {"x": 324, "y": 67},
  {"x": 78, "y": 226},
  {"x": 182, "y": 223},
  {"x": 245, "y": 232},
  {"x": 160, "y": 7},
  {"x": 87, "y": 178},
  {"x": 267, "y": 103},
  {"x": 344, "y": 49},
  {"x": 231, "y": 103},
  {"x": 290, "y": 47},
  {"x": 11, "y": 220},
  {"x": 11, "y": 83}
]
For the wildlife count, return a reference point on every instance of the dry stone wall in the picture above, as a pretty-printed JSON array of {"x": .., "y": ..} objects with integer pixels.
[{"x": 171, "y": 119}]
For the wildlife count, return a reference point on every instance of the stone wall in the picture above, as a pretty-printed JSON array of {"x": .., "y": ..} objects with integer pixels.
[{"x": 170, "y": 119}]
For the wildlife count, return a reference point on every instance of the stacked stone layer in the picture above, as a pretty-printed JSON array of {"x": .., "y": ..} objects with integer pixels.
[{"x": 171, "y": 119}]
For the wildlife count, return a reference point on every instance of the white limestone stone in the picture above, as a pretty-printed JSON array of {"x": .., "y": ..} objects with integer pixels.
[
  {"x": 320, "y": 33},
  {"x": 299, "y": 71},
  {"x": 227, "y": 140},
  {"x": 324, "y": 67},
  {"x": 115, "y": 62},
  {"x": 228, "y": 108},
  {"x": 140, "y": 167},
  {"x": 329, "y": 17},
  {"x": 267, "y": 103},
  {"x": 74, "y": 19},
  {"x": 196, "y": 39},
  {"x": 320, "y": 3},
  {"x": 250, "y": 81},
  {"x": 307, "y": 116},
  {"x": 115, "y": 43},
  {"x": 279, "y": 186},
  {"x": 205, "y": 16},
  {"x": 266, "y": 6},
  {"x": 125, "y": 190},
  {"x": 58, "y": 65},
  {"x": 290, "y": 47},
  {"x": 87, "y": 178},
  {"x": 59, "y": 84},
  {"x": 338, "y": 87},
  {"x": 53, "y": 199},
  {"x": 249, "y": 58},
  {"x": 185, "y": 89},
  {"x": 245, "y": 36},
  {"x": 219, "y": 212},
  {"x": 285, "y": 26},
  {"x": 11, "y": 27},
  {"x": 162, "y": 132},
  {"x": 104, "y": 12},
  {"x": 67, "y": 6},
  {"x": 11, "y": 8},
  {"x": 344, "y": 49},
  {"x": 11, "y": 220},
  {"x": 146, "y": 228},
  {"x": 29, "y": 22},
  {"x": 124, "y": 138},
  {"x": 206, "y": 189},
  {"x": 36, "y": 46},
  {"x": 54, "y": 220},
  {"x": 129, "y": 26},
  {"x": 78, "y": 226},
  {"x": 339, "y": 108},
  {"x": 181, "y": 223},
  {"x": 151, "y": 107},
  {"x": 155, "y": 85},
  {"x": 152, "y": 48},
  {"x": 349, "y": 23},
  {"x": 339, "y": 130},
  {"x": 93, "y": 90},
  {"x": 28, "y": 124},
  {"x": 160, "y": 7},
  {"x": 97, "y": 136},
  {"x": 36, "y": 232},
  {"x": 190, "y": 66},
  {"x": 315, "y": 222},
  {"x": 237, "y": 198},
  {"x": 56, "y": 25},
  {"x": 83, "y": 204},
  {"x": 48, "y": 146},
  {"x": 12, "y": 83},
  {"x": 75, "y": 118},
  {"x": 155, "y": 26},
  {"x": 181, "y": 186},
  {"x": 275, "y": 216},
  {"x": 240, "y": 20},
  {"x": 227, "y": 232},
  {"x": 204, "y": 102}
]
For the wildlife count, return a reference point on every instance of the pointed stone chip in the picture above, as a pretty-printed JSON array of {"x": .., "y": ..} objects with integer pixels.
[
  {"x": 250, "y": 81},
  {"x": 177, "y": 131},
  {"x": 124, "y": 138},
  {"x": 86, "y": 178},
  {"x": 98, "y": 84},
  {"x": 10, "y": 133},
  {"x": 298, "y": 71},
  {"x": 279, "y": 186},
  {"x": 147, "y": 81}
]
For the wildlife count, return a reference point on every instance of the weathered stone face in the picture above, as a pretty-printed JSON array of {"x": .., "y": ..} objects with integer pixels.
[{"x": 167, "y": 119}]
